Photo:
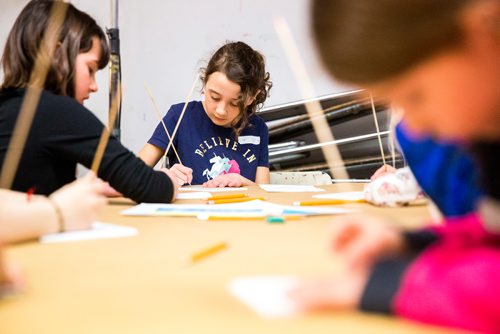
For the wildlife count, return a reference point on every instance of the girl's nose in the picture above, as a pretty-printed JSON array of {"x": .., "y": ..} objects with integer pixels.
[
  {"x": 93, "y": 86},
  {"x": 220, "y": 109}
]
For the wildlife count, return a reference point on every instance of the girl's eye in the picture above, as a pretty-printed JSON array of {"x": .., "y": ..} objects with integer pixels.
[
  {"x": 215, "y": 98},
  {"x": 234, "y": 104}
]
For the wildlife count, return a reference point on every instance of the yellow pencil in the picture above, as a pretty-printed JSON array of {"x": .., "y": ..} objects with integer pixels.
[
  {"x": 328, "y": 202},
  {"x": 219, "y": 197},
  {"x": 235, "y": 200},
  {"x": 206, "y": 252}
]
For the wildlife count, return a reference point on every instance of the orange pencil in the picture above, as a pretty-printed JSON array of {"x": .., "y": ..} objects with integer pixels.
[
  {"x": 235, "y": 200},
  {"x": 206, "y": 252},
  {"x": 328, "y": 202},
  {"x": 219, "y": 197}
]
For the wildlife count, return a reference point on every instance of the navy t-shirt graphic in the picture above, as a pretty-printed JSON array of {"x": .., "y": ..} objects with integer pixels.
[{"x": 211, "y": 150}]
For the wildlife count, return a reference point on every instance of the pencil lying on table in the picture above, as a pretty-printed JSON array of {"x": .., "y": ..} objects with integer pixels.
[
  {"x": 206, "y": 252},
  {"x": 228, "y": 196},
  {"x": 234, "y": 200},
  {"x": 328, "y": 202}
]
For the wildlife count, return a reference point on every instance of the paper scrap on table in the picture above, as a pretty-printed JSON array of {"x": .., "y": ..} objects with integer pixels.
[
  {"x": 98, "y": 231},
  {"x": 255, "y": 208},
  {"x": 212, "y": 190},
  {"x": 344, "y": 196},
  {"x": 266, "y": 295},
  {"x": 194, "y": 195},
  {"x": 289, "y": 188}
]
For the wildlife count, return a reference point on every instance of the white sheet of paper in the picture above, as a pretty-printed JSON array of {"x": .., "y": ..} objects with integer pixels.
[
  {"x": 212, "y": 190},
  {"x": 193, "y": 195},
  {"x": 289, "y": 188},
  {"x": 98, "y": 231},
  {"x": 345, "y": 196},
  {"x": 266, "y": 295},
  {"x": 256, "y": 208}
]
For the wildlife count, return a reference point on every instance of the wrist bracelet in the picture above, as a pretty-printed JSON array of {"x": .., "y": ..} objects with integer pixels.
[{"x": 60, "y": 218}]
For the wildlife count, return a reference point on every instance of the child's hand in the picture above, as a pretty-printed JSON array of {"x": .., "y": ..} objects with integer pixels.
[
  {"x": 175, "y": 182},
  {"x": 80, "y": 201},
  {"x": 182, "y": 173},
  {"x": 361, "y": 240},
  {"x": 225, "y": 180},
  {"x": 385, "y": 169},
  {"x": 340, "y": 292},
  {"x": 109, "y": 191}
]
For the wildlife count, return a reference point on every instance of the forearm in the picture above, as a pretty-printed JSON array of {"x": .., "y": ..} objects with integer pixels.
[
  {"x": 385, "y": 278},
  {"x": 262, "y": 175},
  {"x": 25, "y": 220},
  {"x": 133, "y": 178},
  {"x": 150, "y": 154}
]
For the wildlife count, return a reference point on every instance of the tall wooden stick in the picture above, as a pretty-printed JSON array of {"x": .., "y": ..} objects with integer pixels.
[
  {"x": 103, "y": 141},
  {"x": 313, "y": 107},
  {"x": 32, "y": 94},
  {"x": 155, "y": 107},
  {"x": 375, "y": 119},
  {"x": 182, "y": 113}
]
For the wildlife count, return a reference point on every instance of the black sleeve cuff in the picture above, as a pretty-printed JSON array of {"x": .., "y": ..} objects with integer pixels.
[
  {"x": 418, "y": 240},
  {"x": 383, "y": 284}
]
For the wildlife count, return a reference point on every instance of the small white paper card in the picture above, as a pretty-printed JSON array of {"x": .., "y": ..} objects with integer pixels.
[
  {"x": 289, "y": 188},
  {"x": 255, "y": 140},
  {"x": 344, "y": 196},
  {"x": 98, "y": 231},
  {"x": 194, "y": 195},
  {"x": 266, "y": 295}
]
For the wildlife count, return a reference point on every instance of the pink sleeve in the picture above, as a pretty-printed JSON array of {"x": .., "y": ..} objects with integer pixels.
[{"x": 455, "y": 281}]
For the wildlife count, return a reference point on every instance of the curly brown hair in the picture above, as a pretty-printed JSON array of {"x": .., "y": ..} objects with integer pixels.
[
  {"x": 25, "y": 39},
  {"x": 246, "y": 67}
]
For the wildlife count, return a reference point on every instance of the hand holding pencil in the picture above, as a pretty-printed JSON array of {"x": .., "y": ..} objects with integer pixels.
[{"x": 183, "y": 174}]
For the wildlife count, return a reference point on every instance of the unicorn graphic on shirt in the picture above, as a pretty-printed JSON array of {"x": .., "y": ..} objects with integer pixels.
[{"x": 221, "y": 166}]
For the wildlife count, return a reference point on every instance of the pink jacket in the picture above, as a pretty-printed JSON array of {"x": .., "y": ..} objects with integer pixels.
[{"x": 456, "y": 280}]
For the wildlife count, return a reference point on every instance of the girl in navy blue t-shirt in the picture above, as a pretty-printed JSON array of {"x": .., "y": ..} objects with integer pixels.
[{"x": 220, "y": 140}]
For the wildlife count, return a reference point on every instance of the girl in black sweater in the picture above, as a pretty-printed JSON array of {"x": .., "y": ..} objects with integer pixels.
[{"x": 64, "y": 132}]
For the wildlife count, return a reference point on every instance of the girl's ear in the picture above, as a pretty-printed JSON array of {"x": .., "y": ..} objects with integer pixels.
[{"x": 250, "y": 99}]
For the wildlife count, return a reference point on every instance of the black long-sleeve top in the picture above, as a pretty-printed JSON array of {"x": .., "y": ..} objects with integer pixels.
[{"x": 65, "y": 133}]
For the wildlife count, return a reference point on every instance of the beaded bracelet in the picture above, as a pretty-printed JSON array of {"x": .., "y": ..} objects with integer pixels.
[{"x": 60, "y": 218}]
